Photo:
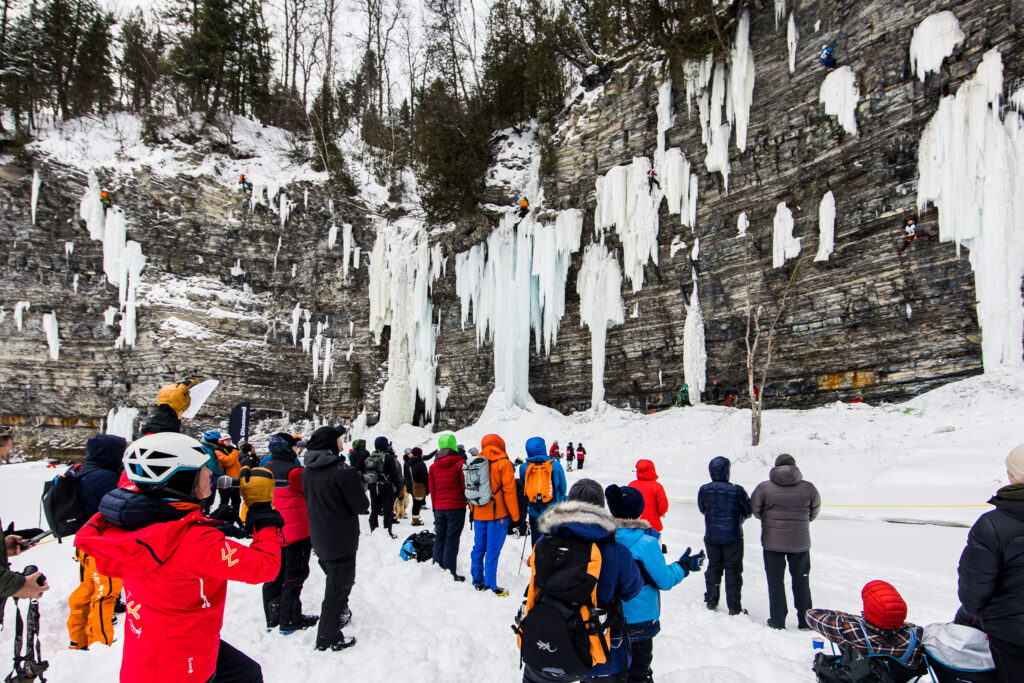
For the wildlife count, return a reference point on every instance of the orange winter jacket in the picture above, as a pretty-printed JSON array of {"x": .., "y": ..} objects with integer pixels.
[
  {"x": 655, "y": 500},
  {"x": 228, "y": 461},
  {"x": 503, "y": 482}
]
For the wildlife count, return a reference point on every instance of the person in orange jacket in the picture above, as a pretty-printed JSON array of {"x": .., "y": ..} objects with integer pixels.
[
  {"x": 524, "y": 207},
  {"x": 655, "y": 500},
  {"x": 228, "y": 457},
  {"x": 491, "y": 520}
]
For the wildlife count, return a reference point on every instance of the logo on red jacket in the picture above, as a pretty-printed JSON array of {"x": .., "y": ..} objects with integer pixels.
[{"x": 227, "y": 554}]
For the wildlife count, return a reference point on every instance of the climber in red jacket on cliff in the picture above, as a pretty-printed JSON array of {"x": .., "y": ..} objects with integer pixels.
[{"x": 913, "y": 233}]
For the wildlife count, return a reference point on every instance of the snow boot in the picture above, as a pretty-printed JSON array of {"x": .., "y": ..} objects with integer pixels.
[
  {"x": 737, "y": 612},
  {"x": 500, "y": 592},
  {"x": 479, "y": 586},
  {"x": 345, "y": 618},
  {"x": 305, "y": 621},
  {"x": 340, "y": 644},
  {"x": 459, "y": 578}
]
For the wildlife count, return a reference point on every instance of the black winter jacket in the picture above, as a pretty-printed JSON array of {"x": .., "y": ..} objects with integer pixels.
[
  {"x": 102, "y": 469},
  {"x": 163, "y": 419},
  {"x": 723, "y": 505},
  {"x": 991, "y": 571},
  {"x": 335, "y": 498}
]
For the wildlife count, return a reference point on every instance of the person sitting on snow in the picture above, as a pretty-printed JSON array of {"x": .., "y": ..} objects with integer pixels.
[
  {"x": 652, "y": 180},
  {"x": 912, "y": 234},
  {"x": 826, "y": 58},
  {"x": 524, "y": 207},
  {"x": 883, "y": 629}
]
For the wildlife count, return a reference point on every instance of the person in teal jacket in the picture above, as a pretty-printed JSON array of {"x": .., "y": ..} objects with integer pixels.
[
  {"x": 643, "y": 612},
  {"x": 537, "y": 453}
]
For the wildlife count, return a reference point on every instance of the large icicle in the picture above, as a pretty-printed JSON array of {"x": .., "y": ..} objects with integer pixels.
[
  {"x": 19, "y": 313},
  {"x": 553, "y": 247},
  {"x": 741, "y": 81},
  {"x": 971, "y": 160},
  {"x": 840, "y": 96},
  {"x": 599, "y": 284},
  {"x": 346, "y": 248},
  {"x": 780, "y": 12},
  {"x": 52, "y": 334},
  {"x": 121, "y": 422},
  {"x": 677, "y": 183},
  {"x": 132, "y": 264},
  {"x": 91, "y": 208},
  {"x": 36, "y": 182},
  {"x": 826, "y": 226},
  {"x": 934, "y": 39},
  {"x": 695, "y": 357},
  {"x": 792, "y": 38},
  {"x": 400, "y": 284},
  {"x": 624, "y": 203},
  {"x": 784, "y": 245}
]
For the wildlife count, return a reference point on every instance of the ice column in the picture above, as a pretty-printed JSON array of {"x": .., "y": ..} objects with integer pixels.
[
  {"x": 599, "y": 284},
  {"x": 695, "y": 357},
  {"x": 52, "y": 335},
  {"x": 784, "y": 245},
  {"x": 36, "y": 182},
  {"x": 971, "y": 160},
  {"x": 826, "y": 226},
  {"x": 792, "y": 37},
  {"x": 121, "y": 421},
  {"x": 623, "y": 203},
  {"x": 19, "y": 312},
  {"x": 132, "y": 264}
]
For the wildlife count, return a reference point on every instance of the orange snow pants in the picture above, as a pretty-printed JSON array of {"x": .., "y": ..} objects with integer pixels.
[{"x": 92, "y": 605}]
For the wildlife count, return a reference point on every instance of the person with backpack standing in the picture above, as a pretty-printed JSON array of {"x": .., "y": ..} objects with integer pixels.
[
  {"x": 335, "y": 497},
  {"x": 176, "y": 564},
  {"x": 642, "y": 614},
  {"x": 655, "y": 500},
  {"x": 543, "y": 483},
  {"x": 358, "y": 455},
  {"x": 447, "y": 488},
  {"x": 991, "y": 573},
  {"x": 14, "y": 584},
  {"x": 725, "y": 506},
  {"x": 577, "y": 564},
  {"x": 491, "y": 491},
  {"x": 581, "y": 455},
  {"x": 786, "y": 504},
  {"x": 282, "y": 601},
  {"x": 91, "y": 619},
  {"x": 228, "y": 459},
  {"x": 418, "y": 480},
  {"x": 570, "y": 455},
  {"x": 383, "y": 478}
]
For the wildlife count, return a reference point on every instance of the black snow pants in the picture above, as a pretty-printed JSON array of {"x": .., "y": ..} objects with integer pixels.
[
  {"x": 382, "y": 502},
  {"x": 282, "y": 602},
  {"x": 799, "y": 571},
  {"x": 724, "y": 557},
  {"x": 235, "y": 667}
]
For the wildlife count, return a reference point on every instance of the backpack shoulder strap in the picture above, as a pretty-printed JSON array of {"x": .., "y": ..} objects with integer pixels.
[
  {"x": 908, "y": 655},
  {"x": 867, "y": 637}
]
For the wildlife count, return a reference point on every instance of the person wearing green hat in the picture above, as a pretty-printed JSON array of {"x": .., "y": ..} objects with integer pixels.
[{"x": 447, "y": 486}]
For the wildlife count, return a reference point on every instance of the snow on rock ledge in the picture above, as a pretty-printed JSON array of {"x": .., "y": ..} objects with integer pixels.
[
  {"x": 970, "y": 161},
  {"x": 599, "y": 284},
  {"x": 934, "y": 39},
  {"x": 840, "y": 96}
]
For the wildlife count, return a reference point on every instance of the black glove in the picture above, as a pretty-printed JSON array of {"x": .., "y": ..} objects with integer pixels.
[
  {"x": 26, "y": 534},
  {"x": 691, "y": 564},
  {"x": 262, "y": 515}
]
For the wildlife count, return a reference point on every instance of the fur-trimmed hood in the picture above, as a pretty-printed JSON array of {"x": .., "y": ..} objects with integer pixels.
[
  {"x": 641, "y": 524},
  {"x": 576, "y": 518}
]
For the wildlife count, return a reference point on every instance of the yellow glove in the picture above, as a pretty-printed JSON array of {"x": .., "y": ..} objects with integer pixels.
[
  {"x": 256, "y": 486},
  {"x": 176, "y": 396}
]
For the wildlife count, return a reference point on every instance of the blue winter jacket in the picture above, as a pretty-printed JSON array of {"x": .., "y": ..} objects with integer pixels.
[
  {"x": 537, "y": 452},
  {"x": 102, "y": 469},
  {"x": 619, "y": 575},
  {"x": 280, "y": 451},
  {"x": 646, "y": 550},
  {"x": 723, "y": 505},
  {"x": 212, "y": 463}
]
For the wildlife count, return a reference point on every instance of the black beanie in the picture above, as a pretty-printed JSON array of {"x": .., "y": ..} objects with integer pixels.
[
  {"x": 587, "y": 491},
  {"x": 785, "y": 459},
  {"x": 287, "y": 437},
  {"x": 382, "y": 444},
  {"x": 624, "y": 502},
  {"x": 324, "y": 439}
]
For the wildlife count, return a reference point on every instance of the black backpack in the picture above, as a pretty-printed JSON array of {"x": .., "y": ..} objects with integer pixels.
[
  {"x": 63, "y": 503},
  {"x": 419, "y": 547},
  {"x": 851, "y": 667},
  {"x": 373, "y": 469},
  {"x": 561, "y": 626}
]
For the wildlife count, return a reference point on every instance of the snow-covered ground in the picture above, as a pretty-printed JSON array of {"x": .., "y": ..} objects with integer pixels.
[{"x": 934, "y": 459}]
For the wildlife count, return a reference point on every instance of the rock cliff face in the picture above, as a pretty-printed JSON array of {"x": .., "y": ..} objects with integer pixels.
[{"x": 222, "y": 280}]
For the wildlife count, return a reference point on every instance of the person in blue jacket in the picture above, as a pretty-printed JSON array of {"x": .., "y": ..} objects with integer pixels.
[
  {"x": 724, "y": 506},
  {"x": 537, "y": 453},
  {"x": 583, "y": 516},
  {"x": 643, "y": 612}
]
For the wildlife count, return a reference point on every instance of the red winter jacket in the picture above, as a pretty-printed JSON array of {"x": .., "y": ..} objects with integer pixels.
[
  {"x": 553, "y": 451},
  {"x": 446, "y": 482},
  {"x": 175, "y": 578},
  {"x": 655, "y": 500},
  {"x": 581, "y": 453}
]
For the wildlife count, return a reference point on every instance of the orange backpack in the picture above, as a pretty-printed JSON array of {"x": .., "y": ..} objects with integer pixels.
[{"x": 538, "y": 486}]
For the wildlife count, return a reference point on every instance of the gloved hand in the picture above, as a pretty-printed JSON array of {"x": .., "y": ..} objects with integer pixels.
[
  {"x": 256, "y": 486},
  {"x": 261, "y": 515},
  {"x": 176, "y": 396},
  {"x": 691, "y": 564}
]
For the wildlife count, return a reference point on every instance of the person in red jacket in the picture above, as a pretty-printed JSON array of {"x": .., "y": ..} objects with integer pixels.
[
  {"x": 553, "y": 451},
  {"x": 655, "y": 500},
  {"x": 176, "y": 563},
  {"x": 581, "y": 455},
  {"x": 447, "y": 486}
]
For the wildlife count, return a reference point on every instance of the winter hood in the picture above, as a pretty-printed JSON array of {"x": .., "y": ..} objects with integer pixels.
[
  {"x": 493, "y": 448},
  {"x": 645, "y": 471},
  {"x": 105, "y": 451},
  {"x": 318, "y": 460},
  {"x": 719, "y": 469},
  {"x": 382, "y": 444},
  {"x": 536, "y": 447},
  {"x": 786, "y": 475},
  {"x": 448, "y": 459},
  {"x": 579, "y": 519},
  {"x": 280, "y": 449}
]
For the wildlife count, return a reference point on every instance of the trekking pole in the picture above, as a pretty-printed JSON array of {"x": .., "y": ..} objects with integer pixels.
[{"x": 521, "y": 556}]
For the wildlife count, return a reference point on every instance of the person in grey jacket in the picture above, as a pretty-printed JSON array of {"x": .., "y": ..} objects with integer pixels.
[{"x": 786, "y": 506}]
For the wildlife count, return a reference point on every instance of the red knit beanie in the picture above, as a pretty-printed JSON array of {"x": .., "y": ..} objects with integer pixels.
[{"x": 884, "y": 608}]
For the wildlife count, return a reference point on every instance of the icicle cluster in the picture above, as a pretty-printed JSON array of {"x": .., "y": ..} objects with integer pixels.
[
  {"x": 514, "y": 284},
  {"x": 678, "y": 185},
  {"x": 840, "y": 95},
  {"x": 695, "y": 357},
  {"x": 121, "y": 422},
  {"x": 400, "y": 285},
  {"x": 826, "y": 226},
  {"x": 934, "y": 39},
  {"x": 599, "y": 284},
  {"x": 624, "y": 203},
  {"x": 971, "y": 169}
]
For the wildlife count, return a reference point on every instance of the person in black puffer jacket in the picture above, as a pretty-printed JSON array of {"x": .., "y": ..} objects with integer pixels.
[
  {"x": 417, "y": 483},
  {"x": 991, "y": 573},
  {"x": 724, "y": 506},
  {"x": 358, "y": 455},
  {"x": 383, "y": 476},
  {"x": 335, "y": 498}
]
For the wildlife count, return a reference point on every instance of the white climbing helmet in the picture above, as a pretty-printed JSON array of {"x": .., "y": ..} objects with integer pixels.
[{"x": 155, "y": 458}]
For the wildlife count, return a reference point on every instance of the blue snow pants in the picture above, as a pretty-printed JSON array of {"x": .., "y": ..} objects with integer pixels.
[
  {"x": 448, "y": 526},
  {"x": 488, "y": 539}
]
